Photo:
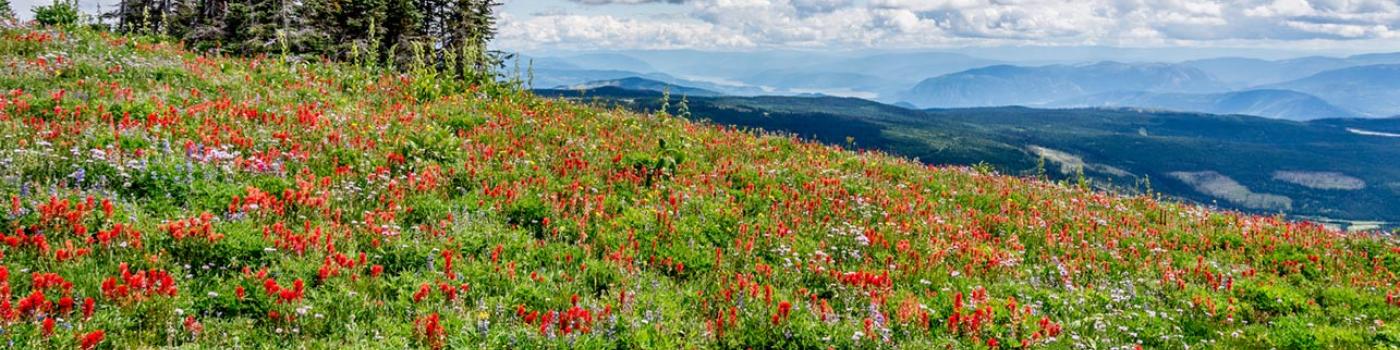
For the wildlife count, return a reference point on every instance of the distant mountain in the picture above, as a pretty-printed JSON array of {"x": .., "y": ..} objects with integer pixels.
[
  {"x": 551, "y": 77},
  {"x": 880, "y": 76},
  {"x": 1279, "y": 104},
  {"x": 726, "y": 65},
  {"x": 1376, "y": 58},
  {"x": 796, "y": 82},
  {"x": 905, "y": 68},
  {"x": 1244, "y": 72},
  {"x": 642, "y": 84},
  {"x": 817, "y": 80},
  {"x": 609, "y": 61},
  {"x": 1373, "y": 91},
  {"x": 555, "y": 77},
  {"x": 1005, "y": 85},
  {"x": 1333, "y": 168}
]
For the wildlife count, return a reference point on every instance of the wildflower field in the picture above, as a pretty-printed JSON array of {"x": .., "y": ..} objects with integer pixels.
[{"x": 160, "y": 198}]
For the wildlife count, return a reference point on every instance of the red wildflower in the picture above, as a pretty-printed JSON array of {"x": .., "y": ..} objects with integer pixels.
[
  {"x": 89, "y": 304},
  {"x": 90, "y": 340},
  {"x": 430, "y": 328},
  {"x": 65, "y": 304},
  {"x": 422, "y": 293},
  {"x": 193, "y": 326}
]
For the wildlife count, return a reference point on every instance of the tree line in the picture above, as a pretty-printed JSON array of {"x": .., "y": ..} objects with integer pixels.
[{"x": 387, "y": 32}]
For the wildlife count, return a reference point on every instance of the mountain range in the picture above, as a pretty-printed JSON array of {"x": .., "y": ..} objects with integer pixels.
[
  {"x": 1297, "y": 89},
  {"x": 1246, "y": 72},
  {"x": 1280, "y": 104},
  {"x": 1004, "y": 85},
  {"x": 1373, "y": 90},
  {"x": 642, "y": 84}
]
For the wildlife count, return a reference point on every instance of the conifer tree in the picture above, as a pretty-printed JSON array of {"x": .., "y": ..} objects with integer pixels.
[
  {"x": 341, "y": 25},
  {"x": 455, "y": 30},
  {"x": 5, "y": 11}
]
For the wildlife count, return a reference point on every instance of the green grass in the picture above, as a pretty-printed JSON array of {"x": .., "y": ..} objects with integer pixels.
[{"x": 623, "y": 230}]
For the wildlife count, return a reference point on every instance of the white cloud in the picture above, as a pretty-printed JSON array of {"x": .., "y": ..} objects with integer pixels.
[
  {"x": 928, "y": 23},
  {"x": 564, "y": 30}
]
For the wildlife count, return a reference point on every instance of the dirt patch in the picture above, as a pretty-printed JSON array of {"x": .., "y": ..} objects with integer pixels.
[
  {"x": 1320, "y": 180},
  {"x": 1070, "y": 163},
  {"x": 1220, "y": 186}
]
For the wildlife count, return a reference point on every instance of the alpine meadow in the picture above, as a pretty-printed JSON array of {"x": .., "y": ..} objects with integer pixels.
[{"x": 377, "y": 174}]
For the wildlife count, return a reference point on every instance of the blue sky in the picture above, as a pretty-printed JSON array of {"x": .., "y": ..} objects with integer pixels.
[
  {"x": 1337, "y": 26},
  {"x": 1307, "y": 25}
]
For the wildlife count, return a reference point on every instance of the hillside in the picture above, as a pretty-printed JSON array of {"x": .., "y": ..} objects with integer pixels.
[
  {"x": 1118, "y": 148},
  {"x": 643, "y": 84},
  {"x": 1247, "y": 72},
  {"x": 1006, "y": 85},
  {"x": 159, "y": 198},
  {"x": 1278, "y": 104},
  {"x": 1373, "y": 90}
]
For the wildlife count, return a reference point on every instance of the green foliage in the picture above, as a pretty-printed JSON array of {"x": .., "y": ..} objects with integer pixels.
[
  {"x": 401, "y": 201},
  {"x": 61, "y": 13},
  {"x": 6, "y": 12}
]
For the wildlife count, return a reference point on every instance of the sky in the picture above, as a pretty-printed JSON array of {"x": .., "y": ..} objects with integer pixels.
[
  {"x": 1326, "y": 26},
  {"x": 1343, "y": 26}
]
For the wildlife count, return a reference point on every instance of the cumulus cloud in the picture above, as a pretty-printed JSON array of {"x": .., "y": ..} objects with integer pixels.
[
  {"x": 874, "y": 23},
  {"x": 578, "y": 31}
]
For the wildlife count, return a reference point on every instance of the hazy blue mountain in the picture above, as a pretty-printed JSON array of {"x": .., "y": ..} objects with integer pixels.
[
  {"x": 1005, "y": 85},
  {"x": 1373, "y": 91},
  {"x": 609, "y": 61},
  {"x": 1376, "y": 58},
  {"x": 643, "y": 84},
  {"x": 1280, "y": 104},
  {"x": 693, "y": 64},
  {"x": 830, "y": 83},
  {"x": 899, "y": 69},
  {"x": 538, "y": 63},
  {"x": 1244, "y": 72},
  {"x": 553, "y": 77},
  {"x": 906, "y": 68},
  {"x": 550, "y": 77},
  {"x": 812, "y": 79},
  {"x": 591, "y": 61}
]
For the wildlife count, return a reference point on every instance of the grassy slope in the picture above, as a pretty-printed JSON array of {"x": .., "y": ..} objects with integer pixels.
[
  {"x": 398, "y": 208},
  {"x": 1141, "y": 143}
]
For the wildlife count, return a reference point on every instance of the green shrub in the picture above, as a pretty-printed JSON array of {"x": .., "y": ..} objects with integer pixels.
[{"x": 60, "y": 13}]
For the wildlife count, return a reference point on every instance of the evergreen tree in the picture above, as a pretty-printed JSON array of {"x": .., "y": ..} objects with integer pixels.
[
  {"x": 5, "y": 11},
  {"x": 404, "y": 24},
  {"x": 455, "y": 32},
  {"x": 267, "y": 27},
  {"x": 472, "y": 27},
  {"x": 142, "y": 16},
  {"x": 342, "y": 26},
  {"x": 201, "y": 23}
]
